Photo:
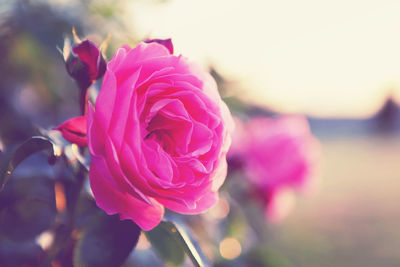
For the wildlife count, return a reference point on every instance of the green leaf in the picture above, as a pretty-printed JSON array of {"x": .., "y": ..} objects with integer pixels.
[
  {"x": 166, "y": 245},
  {"x": 171, "y": 241},
  {"x": 10, "y": 161},
  {"x": 106, "y": 241}
]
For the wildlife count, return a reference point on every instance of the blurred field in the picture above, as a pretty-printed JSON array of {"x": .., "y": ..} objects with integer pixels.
[{"x": 354, "y": 218}]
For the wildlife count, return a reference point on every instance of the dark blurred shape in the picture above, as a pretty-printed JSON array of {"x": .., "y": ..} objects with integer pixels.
[
  {"x": 26, "y": 253},
  {"x": 27, "y": 207},
  {"x": 106, "y": 241},
  {"x": 387, "y": 119}
]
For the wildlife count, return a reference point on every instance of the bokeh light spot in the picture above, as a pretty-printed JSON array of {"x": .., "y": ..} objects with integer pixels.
[
  {"x": 45, "y": 239},
  {"x": 230, "y": 248},
  {"x": 60, "y": 197}
]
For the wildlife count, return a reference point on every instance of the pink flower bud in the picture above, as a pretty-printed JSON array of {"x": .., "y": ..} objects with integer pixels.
[{"x": 74, "y": 130}]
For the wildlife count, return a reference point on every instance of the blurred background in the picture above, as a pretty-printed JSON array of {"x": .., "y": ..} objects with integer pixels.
[{"x": 337, "y": 62}]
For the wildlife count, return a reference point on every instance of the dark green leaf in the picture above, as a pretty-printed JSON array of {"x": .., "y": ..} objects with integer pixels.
[
  {"x": 27, "y": 207},
  {"x": 166, "y": 245},
  {"x": 11, "y": 160},
  {"x": 106, "y": 241},
  {"x": 85, "y": 210},
  {"x": 171, "y": 240}
]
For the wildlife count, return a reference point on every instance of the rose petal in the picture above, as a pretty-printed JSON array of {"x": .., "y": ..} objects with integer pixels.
[
  {"x": 105, "y": 100},
  {"x": 201, "y": 205},
  {"x": 95, "y": 133},
  {"x": 121, "y": 107},
  {"x": 165, "y": 42},
  {"x": 113, "y": 201}
]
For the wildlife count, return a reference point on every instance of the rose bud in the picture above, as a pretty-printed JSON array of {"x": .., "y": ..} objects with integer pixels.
[
  {"x": 165, "y": 42},
  {"x": 158, "y": 136},
  {"x": 278, "y": 157},
  {"x": 74, "y": 130},
  {"x": 85, "y": 63}
]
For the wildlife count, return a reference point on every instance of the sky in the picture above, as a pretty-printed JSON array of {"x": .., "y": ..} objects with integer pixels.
[{"x": 320, "y": 57}]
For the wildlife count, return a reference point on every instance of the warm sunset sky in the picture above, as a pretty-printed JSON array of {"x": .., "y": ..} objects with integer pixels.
[{"x": 326, "y": 58}]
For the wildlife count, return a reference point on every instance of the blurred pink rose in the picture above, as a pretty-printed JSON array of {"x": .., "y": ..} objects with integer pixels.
[
  {"x": 158, "y": 136},
  {"x": 277, "y": 155}
]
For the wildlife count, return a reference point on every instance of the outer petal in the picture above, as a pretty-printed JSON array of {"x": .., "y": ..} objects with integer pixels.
[
  {"x": 219, "y": 174},
  {"x": 118, "y": 58},
  {"x": 112, "y": 201},
  {"x": 120, "y": 111},
  {"x": 95, "y": 134},
  {"x": 106, "y": 99},
  {"x": 165, "y": 42},
  {"x": 134, "y": 59}
]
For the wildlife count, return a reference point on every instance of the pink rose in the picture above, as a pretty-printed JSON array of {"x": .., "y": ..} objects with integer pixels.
[
  {"x": 278, "y": 155},
  {"x": 158, "y": 136}
]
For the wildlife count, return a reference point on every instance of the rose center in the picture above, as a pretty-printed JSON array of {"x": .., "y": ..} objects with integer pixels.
[{"x": 172, "y": 135}]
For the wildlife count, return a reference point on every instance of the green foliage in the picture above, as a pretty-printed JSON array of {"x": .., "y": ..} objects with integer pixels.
[
  {"x": 166, "y": 245},
  {"x": 171, "y": 241}
]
